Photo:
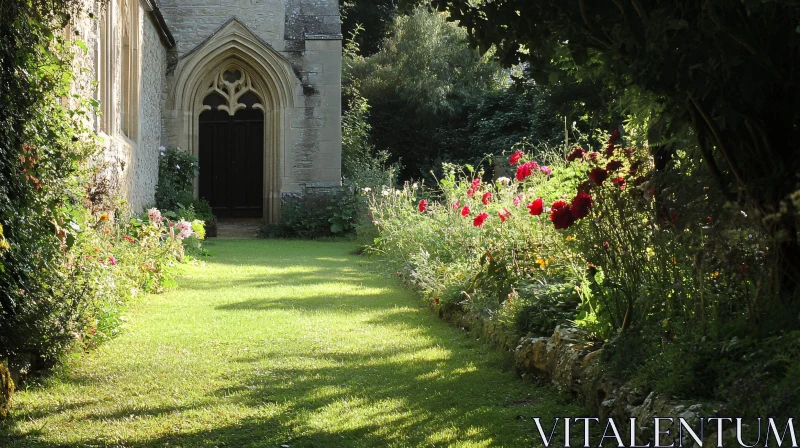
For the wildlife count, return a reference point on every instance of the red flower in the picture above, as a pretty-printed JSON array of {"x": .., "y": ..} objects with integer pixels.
[
  {"x": 487, "y": 198},
  {"x": 525, "y": 170},
  {"x": 619, "y": 182},
  {"x": 592, "y": 156},
  {"x": 614, "y": 137},
  {"x": 614, "y": 165},
  {"x": 561, "y": 215},
  {"x": 503, "y": 215},
  {"x": 581, "y": 205},
  {"x": 436, "y": 300},
  {"x": 478, "y": 221},
  {"x": 129, "y": 239},
  {"x": 598, "y": 175},
  {"x": 634, "y": 168},
  {"x": 710, "y": 219},
  {"x": 576, "y": 154},
  {"x": 515, "y": 157},
  {"x": 536, "y": 207},
  {"x": 423, "y": 205},
  {"x": 456, "y": 205},
  {"x": 476, "y": 183},
  {"x": 465, "y": 211}
]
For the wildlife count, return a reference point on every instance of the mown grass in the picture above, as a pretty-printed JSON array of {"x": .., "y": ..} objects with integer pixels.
[{"x": 271, "y": 343}]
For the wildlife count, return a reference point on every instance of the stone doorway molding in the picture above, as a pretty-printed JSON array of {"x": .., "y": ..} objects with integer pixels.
[{"x": 269, "y": 75}]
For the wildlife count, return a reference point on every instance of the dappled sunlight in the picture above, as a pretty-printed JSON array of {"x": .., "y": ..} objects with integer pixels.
[{"x": 283, "y": 352}]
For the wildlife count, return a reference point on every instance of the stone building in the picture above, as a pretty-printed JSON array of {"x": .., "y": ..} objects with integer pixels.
[{"x": 250, "y": 87}]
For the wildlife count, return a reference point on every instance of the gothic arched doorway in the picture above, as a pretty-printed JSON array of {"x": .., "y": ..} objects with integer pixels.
[{"x": 231, "y": 148}]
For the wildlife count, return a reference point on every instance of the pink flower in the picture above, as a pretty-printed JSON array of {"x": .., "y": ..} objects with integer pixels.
[
  {"x": 517, "y": 200},
  {"x": 514, "y": 159},
  {"x": 112, "y": 261},
  {"x": 456, "y": 205},
  {"x": 487, "y": 198},
  {"x": 479, "y": 220},
  {"x": 465, "y": 211},
  {"x": 423, "y": 205},
  {"x": 536, "y": 207},
  {"x": 546, "y": 170},
  {"x": 154, "y": 215},
  {"x": 185, "y": 228}
]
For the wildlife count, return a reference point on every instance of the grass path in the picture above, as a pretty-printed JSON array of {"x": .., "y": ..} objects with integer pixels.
[{"x": 272, "y": 343}]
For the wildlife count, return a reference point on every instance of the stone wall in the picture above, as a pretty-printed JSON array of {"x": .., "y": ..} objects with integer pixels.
[
  {"x": 305, "y": 35},
  {"x": 144, "y": 159},
  {"x": 131, "y": 164}
]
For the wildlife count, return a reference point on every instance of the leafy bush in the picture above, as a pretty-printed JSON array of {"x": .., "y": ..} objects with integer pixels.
[
  {"x": 315, "y": 215},
  {"x": 176, "y": 173},
  {"x": 668, "y": 277}
]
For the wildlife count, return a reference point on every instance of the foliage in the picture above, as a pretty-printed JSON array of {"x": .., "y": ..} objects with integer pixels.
[
  {"x": 421, "y": 81},
  {"x": 176, "y": 173},
  {"x": 44, "y": 154},
  {"x": 725, "y": 71},
  {"x": 374, "y": 17},
  {"x": 316, "y": 215},
  {"x": 669, "y": 277}
]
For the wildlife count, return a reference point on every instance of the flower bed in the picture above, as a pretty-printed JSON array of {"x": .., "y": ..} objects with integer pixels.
[{"x": 667, "y": 275}]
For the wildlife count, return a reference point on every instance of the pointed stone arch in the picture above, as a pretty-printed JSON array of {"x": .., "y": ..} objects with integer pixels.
[{"x": 269, "y": 76}]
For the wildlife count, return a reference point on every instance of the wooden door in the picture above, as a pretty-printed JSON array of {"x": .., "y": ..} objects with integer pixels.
[{"x": 231, "y": 155}]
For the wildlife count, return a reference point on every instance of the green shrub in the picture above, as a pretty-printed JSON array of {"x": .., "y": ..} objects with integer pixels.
[
  {"x": 176, "y": 173},
  {"x": 315, "y": 215}
]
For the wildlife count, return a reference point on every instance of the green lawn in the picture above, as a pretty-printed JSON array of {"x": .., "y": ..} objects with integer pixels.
[{"x": 271, "y": 343}]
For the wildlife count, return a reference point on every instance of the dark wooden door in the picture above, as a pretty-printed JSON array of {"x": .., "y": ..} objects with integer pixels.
[{"x": 231, "y": 162}]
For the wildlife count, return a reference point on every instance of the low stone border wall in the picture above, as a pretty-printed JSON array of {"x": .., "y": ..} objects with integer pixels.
[{"x": 572, "y": 362}]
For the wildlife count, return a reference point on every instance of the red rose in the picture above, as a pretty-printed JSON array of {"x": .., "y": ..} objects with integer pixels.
[
  {"x": 561, "y": 216},
  {"x": 465, "y": 211},
  {"x": 503, "y": 215},
  {"x": 598, "y": 175},
  {"x": 614, "y": 165},
  {"x": 576, "y": 154},
  {"x": 478, "y": 221},
  {"x": 536, "y": 207},
  {"x": 515, "y": 157},
  {"x": 581, "y": 205},
  {"x": 487, "y": 198},
  {"x": 423, "y": 205},
  {"x": 619, "y": 182}
]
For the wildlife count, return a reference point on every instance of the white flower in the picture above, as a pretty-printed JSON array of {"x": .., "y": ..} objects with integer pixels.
[
  {"x": 366, "y": 189},
  {"x": 177, "y": 166},
  {"x": 386, "y": 192},
  {"x": 414, "y": 186},
  {"x": 503, "y": 181}
]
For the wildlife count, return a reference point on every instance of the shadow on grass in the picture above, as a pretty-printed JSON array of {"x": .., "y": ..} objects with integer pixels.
[{"x": 435, "y": 391}]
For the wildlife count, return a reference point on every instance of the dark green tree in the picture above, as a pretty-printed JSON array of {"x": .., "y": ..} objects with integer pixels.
[{"x": 728, "y": 70}]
